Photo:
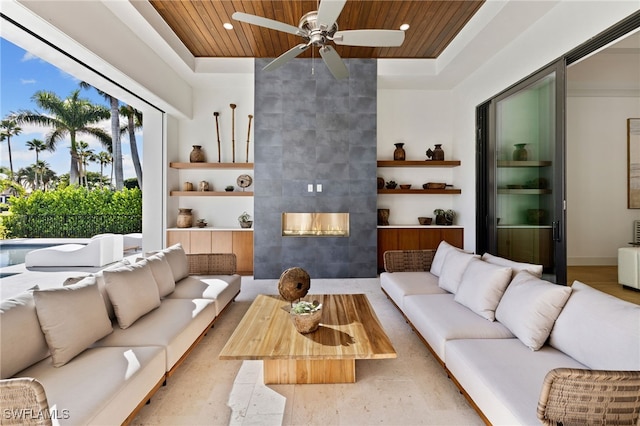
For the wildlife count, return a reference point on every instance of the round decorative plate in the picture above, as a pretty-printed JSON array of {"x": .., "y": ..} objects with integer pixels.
[{"x": 244, "y": 181}]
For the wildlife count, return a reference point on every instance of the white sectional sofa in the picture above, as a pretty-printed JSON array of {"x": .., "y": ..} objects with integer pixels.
[
  {"x": 499, "y": 329},
  {"x": 101, "y": 345}
]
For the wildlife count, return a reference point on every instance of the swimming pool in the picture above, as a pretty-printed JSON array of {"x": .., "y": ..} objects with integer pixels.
[{"x": 13, "y": 254}]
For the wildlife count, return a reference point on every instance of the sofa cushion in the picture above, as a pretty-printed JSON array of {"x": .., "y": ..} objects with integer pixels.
[
  {"x": 178, "y": 261},
  {"x": 220, "y": 288},
  {"x": 503, "y": 376},
  {"x": 133, "y": 292},
  {"x": 22, "y": 342},
  {"x": 453, "y": 268},
  {"x": 598, "y": 330},
  {"x": 438, "y": 258},
  {"x": 399, "y": 284},
  {"x": 162, "y": 273},
  {"x": 535, "y": 270},
  {"x": 482, "y": 286},
  {"x": 71, "y": 318},
  {"x": 438, "y": 318},
  {"x": 530, "y": 306}
]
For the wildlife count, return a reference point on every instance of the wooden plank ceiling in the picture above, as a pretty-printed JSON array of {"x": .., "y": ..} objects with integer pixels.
[{"x": 198, "y": 23}]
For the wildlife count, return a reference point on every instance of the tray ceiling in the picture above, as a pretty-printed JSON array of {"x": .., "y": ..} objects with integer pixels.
[{"x": 198, "y": 23}]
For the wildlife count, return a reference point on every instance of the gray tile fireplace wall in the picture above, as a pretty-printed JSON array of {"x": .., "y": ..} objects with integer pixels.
[{"x": 313, "y": 129}]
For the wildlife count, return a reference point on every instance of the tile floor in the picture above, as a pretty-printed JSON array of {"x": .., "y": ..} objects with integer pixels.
[{"x": 412, "y": 389}]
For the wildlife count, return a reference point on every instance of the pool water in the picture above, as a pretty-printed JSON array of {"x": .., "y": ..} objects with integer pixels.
[{"x": 13, "y": 254}]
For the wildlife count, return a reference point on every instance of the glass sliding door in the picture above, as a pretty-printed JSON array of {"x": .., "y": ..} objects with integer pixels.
[{"x": 525, "y": 173}]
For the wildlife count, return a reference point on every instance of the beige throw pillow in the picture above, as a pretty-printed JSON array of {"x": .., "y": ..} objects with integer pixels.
[
  {"x": 482, "y": 287},
  {"x": 161, "y": 273},
  {"x": 454, "y": 265},
  {"x": 535, "y": 270},
  {"x": 72, "y": 318},
  {"x": 133, "y": 292},
  {"x": 177, "y": 259},
  {"x": 530, "y": 307}
]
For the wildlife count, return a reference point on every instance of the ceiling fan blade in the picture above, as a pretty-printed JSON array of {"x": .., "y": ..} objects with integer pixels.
[
  {"x": 266, "y": 23},
  {"x": 329, "y": 11},
  {"x": 369, "y": 38},
  {"x": 334, "y": 62},
  {"x": 286, "y": 57}
]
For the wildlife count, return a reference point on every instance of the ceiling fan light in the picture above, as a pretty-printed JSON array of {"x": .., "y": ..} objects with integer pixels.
[
  {"x": 227, "y": 26},
  {"x": 404, "y": 27}
]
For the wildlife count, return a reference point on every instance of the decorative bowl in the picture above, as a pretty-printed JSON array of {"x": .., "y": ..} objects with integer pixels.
[
  {"x": 434, "y": 185},
  {"x": 306, "y": 323},
  {"x": 405, "y": 186},
  {"x": 425, "y": 220}
]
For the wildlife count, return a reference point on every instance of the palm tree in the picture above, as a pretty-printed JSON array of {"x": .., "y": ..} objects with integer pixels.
[
  {"x": 38, "y": 146},
  {"x": 70, "y": 116},
  {"x": 84, "y": 155},
  {"x": 47, "y": 176},
  {"x": 27, "y": 177},
  {"x": 9, "y": 127},
  {"x": 134, "y": 122},
  {"x": 116, "y": 148},
  {"x": 104, "y": 158}
]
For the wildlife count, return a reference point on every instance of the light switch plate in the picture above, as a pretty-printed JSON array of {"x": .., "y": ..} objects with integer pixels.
[
  {"x": 319, "y": 187},
  {"x": 310, "y": 187}
]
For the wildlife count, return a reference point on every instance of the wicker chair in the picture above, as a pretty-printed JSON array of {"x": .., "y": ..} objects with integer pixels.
[
  {"x": 23, "y": 402},
  {"x": 408, "y": 260},
  {"x": 590, "y": 397}
]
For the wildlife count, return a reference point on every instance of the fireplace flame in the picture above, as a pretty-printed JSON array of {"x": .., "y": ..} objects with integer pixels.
[{"x": 315, "y": 224}]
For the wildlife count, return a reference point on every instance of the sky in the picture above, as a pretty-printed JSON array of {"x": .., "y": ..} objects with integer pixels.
[{"x": 21, "y": 75}]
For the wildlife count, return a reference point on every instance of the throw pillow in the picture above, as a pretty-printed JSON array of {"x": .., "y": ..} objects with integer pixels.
[
  {"x": 535, "y": 270},
  {"x": 177, "y": 259},
  {"x": 72, "y": 318},
  {"x": 529, "y": 308},
  {"x": 482, "y": 287},
  {"x": 162, "y": 274},
  {"x": 453, "y": 267},
  {"x": 438, "y": 258},
  {"x": 133, "y": 292}
]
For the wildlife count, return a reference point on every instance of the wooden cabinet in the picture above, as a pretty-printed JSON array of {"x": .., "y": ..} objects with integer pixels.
[
  {"x": 406, "y": 238},
  {"x": 217, "y": 241},
  {"x": 526, "y": 244}
]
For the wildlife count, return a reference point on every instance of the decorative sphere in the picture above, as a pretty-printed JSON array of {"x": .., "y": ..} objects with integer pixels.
[{"x": 294, "y": 284}]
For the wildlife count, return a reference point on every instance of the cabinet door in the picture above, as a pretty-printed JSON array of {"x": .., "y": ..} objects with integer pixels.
[
  {"x": 182, "y": 237},
  {"x": 243, "y": 248},
  {"x": 454, "y": 236},
  {"x": 221, "y": 242},
  {"x": 387, "y": 240},
  {"x": 201, "y": 242},
  {"x": 409, "y": 239}
]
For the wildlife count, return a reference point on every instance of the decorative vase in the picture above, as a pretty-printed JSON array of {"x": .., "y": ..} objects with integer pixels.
[
  {"x": 307, "y": 323},
  {"x": 398, "y": 153},
  {"x": 520, "y": 153},
  {"x": 204, "y": 185},
  {"x": 246, "y": 224},
  {"x": 187, "y": 186},
  {"x": 197, "y": 154},
  {"x": 185, "y": 218},
  {"x": 437, "y": 154},
  {"x": 383, "y": 217},
  {"x": 380, "y": 183}
]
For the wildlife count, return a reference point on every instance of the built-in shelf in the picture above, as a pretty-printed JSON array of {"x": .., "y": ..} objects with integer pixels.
[
  {"x": 244, "y": 166},
  {"x": 524, "y": 163},
  {"x": 524, "y": 191},
  {"x": 211, "y": 193},
  {"x": 419, "y": 191},
  {"x": 424, "y": 163}
]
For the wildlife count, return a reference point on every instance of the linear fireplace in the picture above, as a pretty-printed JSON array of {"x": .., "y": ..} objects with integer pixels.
[{"x": 315, "y": 224}]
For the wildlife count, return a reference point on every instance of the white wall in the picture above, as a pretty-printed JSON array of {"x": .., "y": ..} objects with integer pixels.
[{"x": 598, "y": 221}]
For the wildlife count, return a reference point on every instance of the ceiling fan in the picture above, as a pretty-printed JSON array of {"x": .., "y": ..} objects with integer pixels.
[{"x": 319, "y": 27}]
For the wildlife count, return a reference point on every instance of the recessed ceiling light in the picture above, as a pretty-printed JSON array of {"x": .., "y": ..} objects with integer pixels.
[
  {"x": 227, "y": 26},
  {"x": 404, "y": 27}
]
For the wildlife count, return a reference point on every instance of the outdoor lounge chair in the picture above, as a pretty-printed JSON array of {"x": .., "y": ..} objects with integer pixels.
[{"x": 101, "y": 250}]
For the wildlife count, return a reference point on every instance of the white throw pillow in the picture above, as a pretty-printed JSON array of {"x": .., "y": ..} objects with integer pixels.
[
  {"x": 177, "y": 259},
  {"x": 133, "y": 292},
  {"x": 482, "y": 287},
  {"x": 162, "y": 273},
  {"x": 438, "y": 258},
  {"x": 453, "y": 267},
  {"x": 535, "y": 270},
  {"x": 530, "y": 307},
  {"x": 72, "y": 318}
]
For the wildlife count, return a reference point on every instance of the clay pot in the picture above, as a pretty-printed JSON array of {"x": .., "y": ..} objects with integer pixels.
[
  {"x": 520, "y": 153},
  {"x": 437, "y": 154},
  {"x": 398, "y": 153},
  {"x": 185, "y": 218},
  {"x": 383, "y": 217},
  {"x": 187, "y": 186},
  {"x": 197, "y": 154},
  {"x": 380, "y": 183}
]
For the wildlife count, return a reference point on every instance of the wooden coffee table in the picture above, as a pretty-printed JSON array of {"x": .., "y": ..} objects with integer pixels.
[{"x": 349, "y": 330}]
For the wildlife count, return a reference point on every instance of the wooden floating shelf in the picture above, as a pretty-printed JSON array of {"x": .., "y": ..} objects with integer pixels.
[
  {"x": 524, "y": 163},
  {"x": 424, "y": 163},
  {"x": 211, "y": 165},
  {"x": 211, "y": 193},
  {"x": 419, "y": 191}
]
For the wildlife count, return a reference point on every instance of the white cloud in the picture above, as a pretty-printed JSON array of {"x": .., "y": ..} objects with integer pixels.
[
  {"x": 28, "y": 80},
  {"x": 28, "y": 56}
]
